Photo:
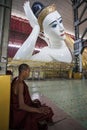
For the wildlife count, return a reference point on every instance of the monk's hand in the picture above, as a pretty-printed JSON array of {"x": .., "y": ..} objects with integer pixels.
[
  {"x": 36, "y": 101},
  {"x": 44, "y": 110}
]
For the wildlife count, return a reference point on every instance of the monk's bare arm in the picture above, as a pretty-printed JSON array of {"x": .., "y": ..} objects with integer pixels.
[{"x": 24, "y": 106}]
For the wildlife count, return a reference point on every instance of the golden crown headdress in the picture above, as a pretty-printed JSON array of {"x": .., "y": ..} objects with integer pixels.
[{"x": 41, "y": 12}]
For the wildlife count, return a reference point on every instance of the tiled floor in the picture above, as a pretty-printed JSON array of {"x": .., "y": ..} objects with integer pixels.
[{"x": 69, "y": 97}]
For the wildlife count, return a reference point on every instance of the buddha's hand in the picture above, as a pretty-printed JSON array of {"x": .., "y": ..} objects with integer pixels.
[{"x": 30, "y": 15}]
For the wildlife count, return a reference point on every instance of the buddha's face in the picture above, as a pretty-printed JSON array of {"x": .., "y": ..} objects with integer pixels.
[{"x": 53, "y": 26}]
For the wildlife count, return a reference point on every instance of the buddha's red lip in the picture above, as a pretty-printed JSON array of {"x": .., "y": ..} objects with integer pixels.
[{"x": 62, "y": 34}]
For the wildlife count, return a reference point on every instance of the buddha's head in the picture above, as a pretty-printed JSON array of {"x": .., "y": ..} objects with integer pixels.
[{"x": 50, "y": 20}]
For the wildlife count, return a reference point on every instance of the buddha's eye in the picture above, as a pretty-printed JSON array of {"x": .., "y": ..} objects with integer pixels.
[
  {"x": 54, "y": 25},
  {"x": 61, "y": 21}
]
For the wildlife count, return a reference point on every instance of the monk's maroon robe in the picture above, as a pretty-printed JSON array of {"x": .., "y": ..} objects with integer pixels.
[{"x": 21, "y": 118}]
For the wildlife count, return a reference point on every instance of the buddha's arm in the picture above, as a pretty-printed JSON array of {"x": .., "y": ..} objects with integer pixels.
[{"x": 28, "y": 46}]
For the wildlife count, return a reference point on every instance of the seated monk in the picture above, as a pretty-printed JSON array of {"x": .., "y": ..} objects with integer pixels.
[{"x": 24, "y": 113}]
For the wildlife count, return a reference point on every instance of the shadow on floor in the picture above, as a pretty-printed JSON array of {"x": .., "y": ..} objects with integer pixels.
[{"x": 62, "y": 120}]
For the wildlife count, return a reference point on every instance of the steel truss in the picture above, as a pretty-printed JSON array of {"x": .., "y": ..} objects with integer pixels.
[
  {"x": 5, "y": 14},
  {"x": 80, "y": 43}
]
